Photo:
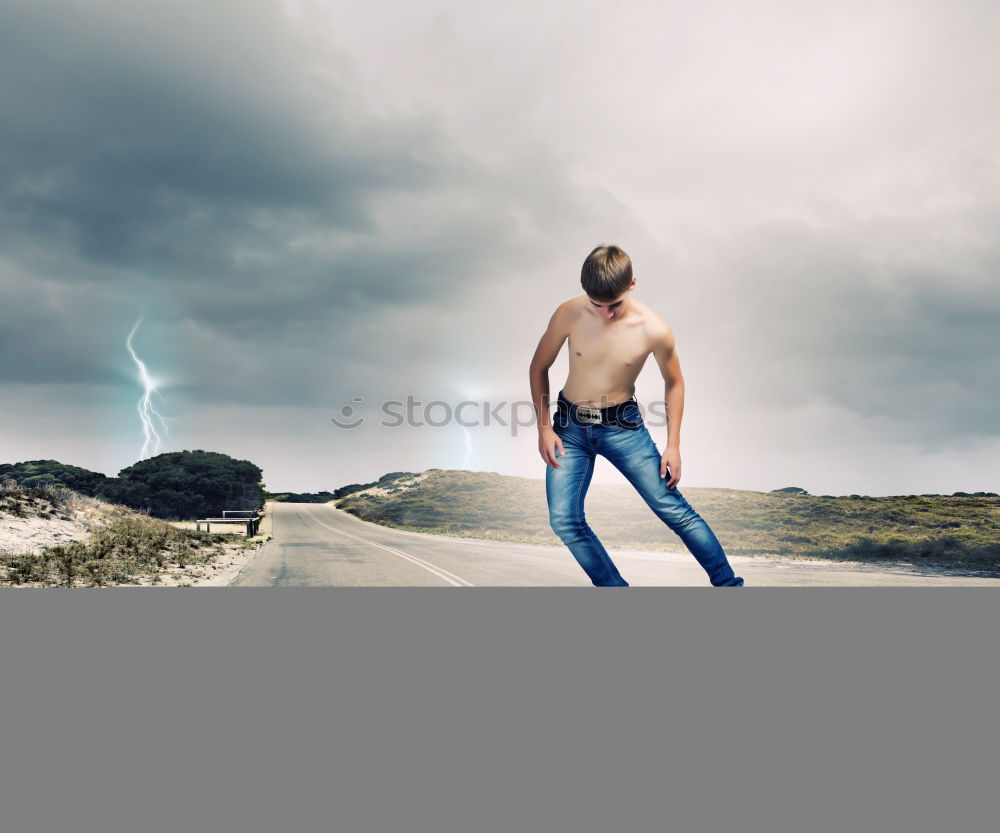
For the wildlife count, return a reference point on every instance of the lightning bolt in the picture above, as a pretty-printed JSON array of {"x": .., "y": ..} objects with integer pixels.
[
  {"x": 468, "y": 447},
  {"x": 469, "y": 394},
  {"x": 145, "y": 405}
]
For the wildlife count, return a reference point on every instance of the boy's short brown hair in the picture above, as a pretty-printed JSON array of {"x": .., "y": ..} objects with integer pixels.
[{"x": 606, "y": 273}]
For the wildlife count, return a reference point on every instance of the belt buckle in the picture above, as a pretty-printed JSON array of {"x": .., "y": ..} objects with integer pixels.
[{"x": 590, "y": 415}]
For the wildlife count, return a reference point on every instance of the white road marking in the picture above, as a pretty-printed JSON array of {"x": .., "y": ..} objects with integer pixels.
[{"x": 440, "y": 572}]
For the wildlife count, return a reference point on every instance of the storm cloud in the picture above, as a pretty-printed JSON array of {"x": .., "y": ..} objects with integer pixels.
[
  {"x": 313, "y": 201},
  {"x": 194, "y": 158}
]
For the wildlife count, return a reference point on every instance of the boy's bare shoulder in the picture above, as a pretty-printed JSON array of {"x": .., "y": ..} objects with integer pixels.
[
  {"x": 563, "y": 318},
  {"x": 571, "y": 309},
  {"x": 657, "y": 330}
]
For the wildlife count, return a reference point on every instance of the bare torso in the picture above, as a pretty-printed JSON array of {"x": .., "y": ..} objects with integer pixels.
[{"x": 605, "y": 357}]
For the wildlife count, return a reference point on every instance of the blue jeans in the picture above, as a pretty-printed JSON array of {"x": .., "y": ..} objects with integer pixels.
[{"x": 633, "y": 452}]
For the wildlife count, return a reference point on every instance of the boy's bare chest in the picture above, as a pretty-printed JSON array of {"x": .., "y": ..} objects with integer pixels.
[{"x": 624, "y": 346}]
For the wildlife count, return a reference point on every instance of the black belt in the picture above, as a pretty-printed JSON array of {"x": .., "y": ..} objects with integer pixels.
[{"x": 612, "y": 415}]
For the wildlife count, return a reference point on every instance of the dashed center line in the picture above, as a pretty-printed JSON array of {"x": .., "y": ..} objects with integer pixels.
[{"x": 440, "y": 572}]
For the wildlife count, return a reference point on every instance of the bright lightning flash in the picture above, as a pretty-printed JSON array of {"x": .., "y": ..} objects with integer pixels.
[
  {"x": 145, "y": 405},
  {"x": 468, "y": 447}
]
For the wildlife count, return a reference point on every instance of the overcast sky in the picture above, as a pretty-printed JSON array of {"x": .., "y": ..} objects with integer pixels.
[{"x": 314, "y": 203}]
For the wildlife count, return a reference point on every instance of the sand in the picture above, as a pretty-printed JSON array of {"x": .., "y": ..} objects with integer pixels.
[{"x": 46, "y": 524}]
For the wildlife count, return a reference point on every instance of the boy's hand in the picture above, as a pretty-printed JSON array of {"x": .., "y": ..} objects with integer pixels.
[
  {"x": 548, "y": 441},
  {"x": 671, "y": 459}
]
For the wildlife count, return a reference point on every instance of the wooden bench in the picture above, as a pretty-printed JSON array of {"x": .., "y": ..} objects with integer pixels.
[{"x": 252, "y": 524}]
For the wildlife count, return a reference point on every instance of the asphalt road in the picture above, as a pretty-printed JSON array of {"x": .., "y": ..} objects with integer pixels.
[{"x": 315, "y": 544}]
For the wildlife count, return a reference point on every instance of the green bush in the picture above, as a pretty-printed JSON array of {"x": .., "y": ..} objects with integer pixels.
[
  {"x": 36, "y": 473},
  {"x": 184, "y": 485}
]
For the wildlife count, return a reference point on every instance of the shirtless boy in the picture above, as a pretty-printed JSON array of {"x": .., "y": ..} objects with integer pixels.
[{"x": 610, "y": 337}]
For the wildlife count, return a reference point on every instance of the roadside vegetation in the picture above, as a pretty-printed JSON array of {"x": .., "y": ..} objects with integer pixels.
[
  {"x": 123, "y": 546},
  {"x": 945, "y": 532}
]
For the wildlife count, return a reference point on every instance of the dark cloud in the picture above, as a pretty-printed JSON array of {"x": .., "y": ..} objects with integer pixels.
[
  {"x": 173, "y": 159},
  {"x": 206, "y": 165}
]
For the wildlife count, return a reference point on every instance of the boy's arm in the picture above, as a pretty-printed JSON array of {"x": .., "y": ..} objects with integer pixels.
[
  {"x": 545, "y": 355},
  {"x": 665, "y": 351}
]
